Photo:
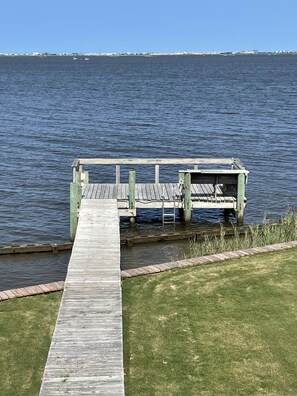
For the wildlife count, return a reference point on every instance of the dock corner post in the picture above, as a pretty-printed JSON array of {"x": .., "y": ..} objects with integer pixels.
[
  {"x": 240, "y": 198},
  {"x": 75, "y": 200},
  {"x": 187, "y": 197},
  {"x": 132, "y": 178}
]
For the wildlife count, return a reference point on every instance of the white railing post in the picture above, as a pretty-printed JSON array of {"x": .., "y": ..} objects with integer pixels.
[
  {"x": 118, "y": 174},
  {"x": 157, "y": 174}
]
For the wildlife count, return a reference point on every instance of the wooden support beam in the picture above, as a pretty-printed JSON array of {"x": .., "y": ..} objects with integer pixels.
[
  {"x": 132, "y": 178},
  {"x": 150, "y": 161},
  {"x": 75, "y": 200},
  {"x": 157, "y": 174},
  {"x": 187, "y": 197},
  {"x": 118, "y": 174},
  {"x": 240, "y": 198}
]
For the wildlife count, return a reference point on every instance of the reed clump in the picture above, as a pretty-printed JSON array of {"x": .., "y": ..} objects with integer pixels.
[{"x": 285, "y": 230}]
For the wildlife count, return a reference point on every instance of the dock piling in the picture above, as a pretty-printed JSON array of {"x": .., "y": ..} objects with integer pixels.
[{"x": 240, "y": 198}]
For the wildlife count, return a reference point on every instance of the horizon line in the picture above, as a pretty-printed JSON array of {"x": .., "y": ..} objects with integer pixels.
[{"x": 75, "y": 53}]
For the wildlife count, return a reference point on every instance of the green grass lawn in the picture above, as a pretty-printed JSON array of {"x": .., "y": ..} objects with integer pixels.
[
  {"x": 26, "y": 326},
  {"x": 223, "y": 329}
]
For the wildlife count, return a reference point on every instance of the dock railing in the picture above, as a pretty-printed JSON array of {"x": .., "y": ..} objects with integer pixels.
[{"x": 80, "y": 174}]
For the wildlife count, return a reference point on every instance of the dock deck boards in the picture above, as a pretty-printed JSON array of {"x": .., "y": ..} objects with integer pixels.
[
  {"x": 155, "y": 194},
  {"x": 86, "y": 353}
]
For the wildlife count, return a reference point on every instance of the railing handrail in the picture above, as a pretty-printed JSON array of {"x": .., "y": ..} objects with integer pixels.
[{"x": 154, "y": 161}]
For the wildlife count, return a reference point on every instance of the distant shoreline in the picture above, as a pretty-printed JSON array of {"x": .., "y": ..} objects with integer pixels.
[{"x": 149, "y": 54}]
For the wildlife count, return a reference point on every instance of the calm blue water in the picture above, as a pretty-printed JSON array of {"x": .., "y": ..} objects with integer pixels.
[{"x": 55, "y": 109}]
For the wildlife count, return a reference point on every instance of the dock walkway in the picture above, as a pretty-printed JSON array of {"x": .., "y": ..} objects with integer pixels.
[{"x": 86, "y": 353}]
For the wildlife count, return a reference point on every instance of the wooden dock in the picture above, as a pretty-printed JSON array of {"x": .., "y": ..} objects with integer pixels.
[
  {"x": 200, "y": 183},
  {"x": 86, "y": 353}
]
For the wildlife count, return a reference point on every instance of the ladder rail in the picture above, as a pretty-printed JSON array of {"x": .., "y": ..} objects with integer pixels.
[{"x": 168, "y": 217}]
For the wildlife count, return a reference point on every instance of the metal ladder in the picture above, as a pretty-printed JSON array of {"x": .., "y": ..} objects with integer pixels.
[
  {"x": 167, "y": 217},
  {"x": 168, "y": 214}
]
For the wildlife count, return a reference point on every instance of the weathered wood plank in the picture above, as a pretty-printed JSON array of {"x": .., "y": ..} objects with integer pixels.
[
  {"x": 152, "y": 192},
  {"x": 147, "y": 191},
  {"x": 90, "y": 190},
  {"x": 108, "y": 194},
  {"x": 139, "y": 192},
  {"x": 115, "y": 191},
  {"x": 102, "y": 191},
  {"x": 157, "y": 192},
  {"x": 168, "y": 191},
  {"x": 98, "y": 191},
  {"x": 126, "y": 191},
  {"x": 120, "y": 192},
  {"x": 151, "y": 161}
]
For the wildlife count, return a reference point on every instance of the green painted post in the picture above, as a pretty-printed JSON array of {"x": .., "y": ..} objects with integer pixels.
[
  {"x": 240, "y": 198},
  {"x": 132, "y": 178},
  {"x": 75, "y": 200},
  {"x": 187, "y": 197}
]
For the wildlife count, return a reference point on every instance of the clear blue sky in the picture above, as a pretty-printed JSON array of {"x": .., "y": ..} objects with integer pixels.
[{"x": 147, "y": 25}]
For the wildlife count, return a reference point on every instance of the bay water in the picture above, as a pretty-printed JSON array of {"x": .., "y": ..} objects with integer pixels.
[{"x": 54, "y": 109}]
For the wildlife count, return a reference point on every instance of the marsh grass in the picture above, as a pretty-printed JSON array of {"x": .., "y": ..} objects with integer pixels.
[
  {"x": 255, "y": 236},
  {"x": 26, "y": 327}
]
